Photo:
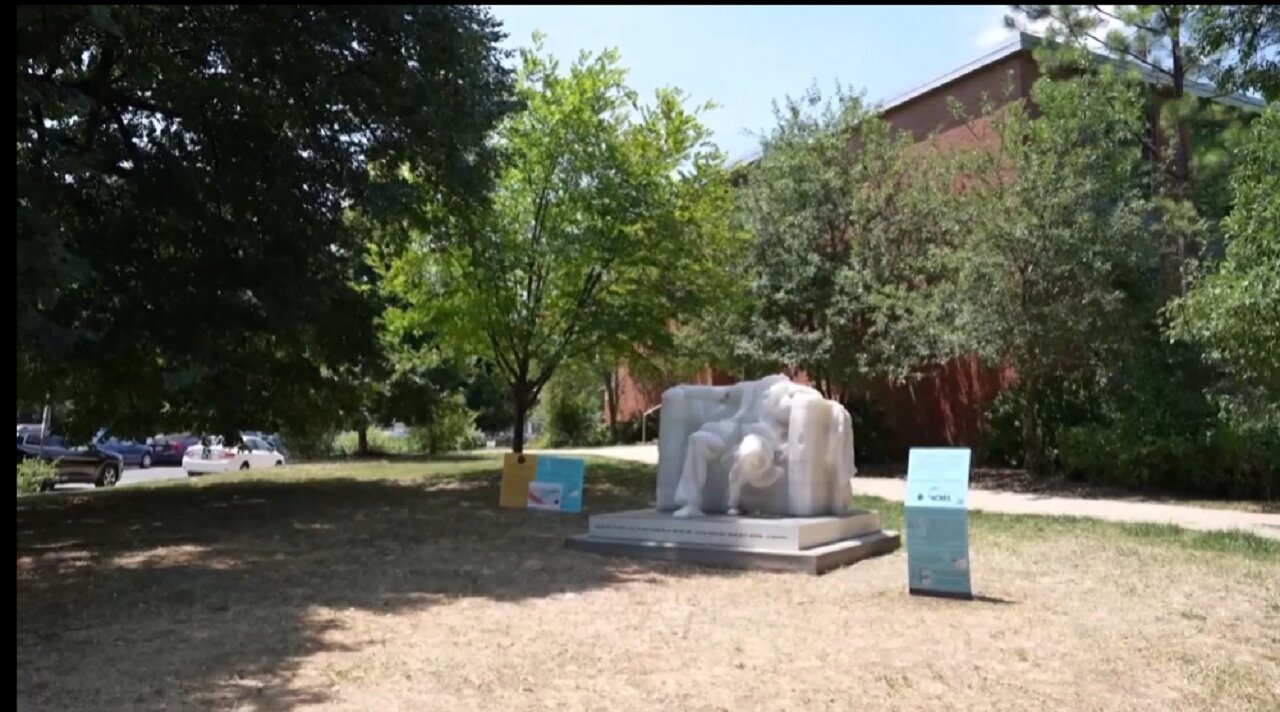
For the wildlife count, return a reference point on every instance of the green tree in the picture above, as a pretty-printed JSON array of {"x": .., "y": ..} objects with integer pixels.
[
  {"x": 486, "y": 395},
  {"x": 1054, "y": 254},
  {"x": 608, "y": 223},
  {"x": 1241, "y": 43},
  {"x": 406, "y": 394},
  {"x": 1233, "y": 311},
  {"x": 846, "y": 216},
  {"x": 1175, "y": 47},
  {"x": 570, "y": 406},
  {"x": 182, "y": 178}
]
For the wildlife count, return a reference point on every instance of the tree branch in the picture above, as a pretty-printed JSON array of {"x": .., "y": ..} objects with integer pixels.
[
  {"x": 1117, "y": 18},
  {"x": 1078, "y": 32},
  {"x": 130, "y": 146}
]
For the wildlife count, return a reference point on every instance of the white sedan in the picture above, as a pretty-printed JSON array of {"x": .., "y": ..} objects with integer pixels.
[{"x": 251, "y": 453}]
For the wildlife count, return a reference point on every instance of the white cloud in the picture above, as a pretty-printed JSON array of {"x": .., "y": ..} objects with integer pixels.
[
  {"x": 991, "y": 37},
  {"x": 994, "y": 33}
]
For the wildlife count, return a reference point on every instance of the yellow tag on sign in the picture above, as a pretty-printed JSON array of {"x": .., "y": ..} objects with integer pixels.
[{"x": 517, "y": 473}]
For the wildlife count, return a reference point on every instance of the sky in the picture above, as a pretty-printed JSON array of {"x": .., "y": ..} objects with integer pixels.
[{"x": 743, "y": 58}]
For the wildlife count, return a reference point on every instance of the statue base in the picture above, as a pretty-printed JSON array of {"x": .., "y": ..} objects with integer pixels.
[{"x": 813, "y": 545}]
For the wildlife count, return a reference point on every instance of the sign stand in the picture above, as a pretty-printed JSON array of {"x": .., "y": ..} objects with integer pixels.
[
  {"x": 937, "y": 523},
  {"x": 543, "y": 482}
]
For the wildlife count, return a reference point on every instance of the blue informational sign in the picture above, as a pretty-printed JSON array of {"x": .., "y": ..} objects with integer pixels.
[
  {"x": 566, "y": 472},
  {"x": 937, "y": 522}
]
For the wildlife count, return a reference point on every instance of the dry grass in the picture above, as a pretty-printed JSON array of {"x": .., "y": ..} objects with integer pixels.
[
  {"x": 400, "y": 586},
  {"x": 1003, "y": 479}
]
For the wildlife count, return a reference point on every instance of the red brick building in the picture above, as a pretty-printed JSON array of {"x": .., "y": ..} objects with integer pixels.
[{"x": 948, "y": 406}]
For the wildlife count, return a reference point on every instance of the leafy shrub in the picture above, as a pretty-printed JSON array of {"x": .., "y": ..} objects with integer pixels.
[
  {"x": 870, "y": 431},
  {"x": 1163, "y": 429},
  {"x": 1061, "y": 404},
  {"x": 630, "y": 431},
  {"x": 35, "y": 475},
  {"x": 571, "y": 411},
  {"x": 452, "y": 427},
  {"x": 1221, "y": 463},
  {"x": 308, "y": 444},
  {"x": 348, "y": 443},
  {"x": 572, "y": 421},
  {"x": 1155, "y": 423}
]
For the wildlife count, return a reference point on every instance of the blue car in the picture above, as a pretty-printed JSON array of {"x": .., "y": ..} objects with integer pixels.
[{"x": 134, "y": 453}]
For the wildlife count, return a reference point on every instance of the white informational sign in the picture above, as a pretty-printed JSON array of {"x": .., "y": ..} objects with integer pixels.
[
  {"x": 545, "y": 495},
  {"x": 938, "y": 523}
]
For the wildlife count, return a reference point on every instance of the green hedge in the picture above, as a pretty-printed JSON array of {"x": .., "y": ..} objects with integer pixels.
[
  {"x": 35, "y": 475},
  {"x": 1222, "y": 462}
]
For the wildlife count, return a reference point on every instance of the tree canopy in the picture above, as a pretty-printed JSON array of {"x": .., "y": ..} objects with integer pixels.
[
  {"x": 847, "y": 216},
  {"x": 1234, "y": 310},
  {"x": 1054, "y": 253},
  {"x": 608, "y": 221},
  {"x": 183, "y": 173}
]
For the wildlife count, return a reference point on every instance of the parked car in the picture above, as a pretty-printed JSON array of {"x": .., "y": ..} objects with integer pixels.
[
  {"x": 169, "y": 449},
  {"x": 84, "y": 465},
  {"x": 216, "y": 455},
  {"x": 135, "y": 454},
  {"x": 271, "y": 439},
  {"x": 277, "y": 444}
]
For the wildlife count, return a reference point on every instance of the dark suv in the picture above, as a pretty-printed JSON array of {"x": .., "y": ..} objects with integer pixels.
[
  {"x": 169, "y": 449},
  {"x": 84, "y": 465}
]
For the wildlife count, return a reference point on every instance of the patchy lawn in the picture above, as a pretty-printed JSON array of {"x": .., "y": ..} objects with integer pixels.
[
  {"x": 1005, "y": 479},
  {"x": 400, "y": 585}
]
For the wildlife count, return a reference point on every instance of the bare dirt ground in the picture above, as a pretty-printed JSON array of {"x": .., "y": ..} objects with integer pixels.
[{"x": 402, "y": 587}]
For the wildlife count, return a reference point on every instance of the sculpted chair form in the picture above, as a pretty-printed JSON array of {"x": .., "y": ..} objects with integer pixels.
[{"x": 770, "y": 447}]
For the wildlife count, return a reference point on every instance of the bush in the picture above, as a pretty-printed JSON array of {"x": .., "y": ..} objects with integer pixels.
[
  {"x": 35, "y": 475},
  {"x": 1156, "y": 423},
  {"x": 347, "y": 443},
  {"x": 1061, "y": 404},
  {"x": 573, "y": 420},
  {"x": 311, "y": 444},
  {"x": 1221, "y": 463},
  {"x": 452, "y": 427},
  {"x": 1162, "y": 429},
  {"x": 870, "y": 431},
  {"x": 630, "y": 431}
]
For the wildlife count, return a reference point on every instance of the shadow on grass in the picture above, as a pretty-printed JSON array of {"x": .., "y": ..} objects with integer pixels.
[
  {"x": 192, "y": 597},
  {"x": 380, "y": 456}
]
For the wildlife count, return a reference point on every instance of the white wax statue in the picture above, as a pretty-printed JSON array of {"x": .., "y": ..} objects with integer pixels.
[{"x": 762, "y": 433}]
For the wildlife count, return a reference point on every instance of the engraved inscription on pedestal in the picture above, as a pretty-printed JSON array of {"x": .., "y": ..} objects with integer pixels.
[{"x": 776, "y": 533}]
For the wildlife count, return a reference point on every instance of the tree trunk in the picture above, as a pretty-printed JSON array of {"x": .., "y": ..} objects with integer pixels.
[
  {"x": 1181, "y": 164},
  {"x": 1032, "y": 452},
  {"x": 611, "y": 403},
  {"x": 520, "y": 404},
  {"x": 362, "y": 439}
]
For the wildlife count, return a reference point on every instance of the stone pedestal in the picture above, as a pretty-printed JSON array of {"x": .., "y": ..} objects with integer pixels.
[{"x": 812, "y": 545}]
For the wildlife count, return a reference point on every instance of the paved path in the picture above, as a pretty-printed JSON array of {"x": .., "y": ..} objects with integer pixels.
[
  {"x": 1201, "y": 518},
  {"x": 133, "y": 476}
]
